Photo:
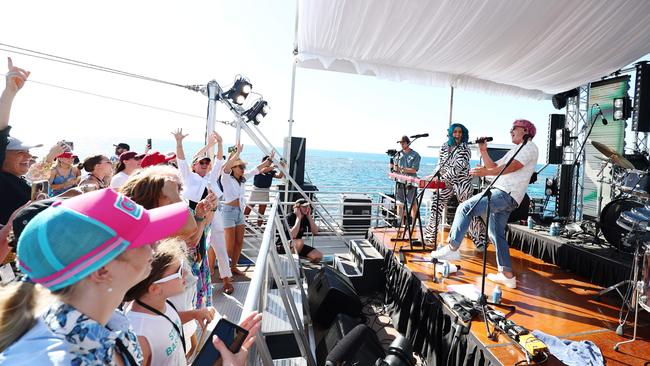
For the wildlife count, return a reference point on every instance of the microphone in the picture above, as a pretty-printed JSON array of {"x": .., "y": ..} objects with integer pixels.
[
  {"x": 602, "y": 116},
  {"x": 420, "y": 135},
  {"x": 480, "y": 140}
]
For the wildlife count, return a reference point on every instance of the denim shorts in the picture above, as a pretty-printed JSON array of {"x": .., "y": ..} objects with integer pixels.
[{"x": 232, "y": 216}]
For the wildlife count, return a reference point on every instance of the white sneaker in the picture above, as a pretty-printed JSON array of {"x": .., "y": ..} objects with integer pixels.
[
  {"x": 446, "y": 253},
  {"x": 500, "y": 278}
]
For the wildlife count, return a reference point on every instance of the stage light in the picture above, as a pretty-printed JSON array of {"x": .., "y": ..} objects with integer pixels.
[
  {"x": 257, "y": 112},
  {"x": 239, "y": 91},
  {"x": 622, "y": 108},
  {"x": 551, "y": 187}
]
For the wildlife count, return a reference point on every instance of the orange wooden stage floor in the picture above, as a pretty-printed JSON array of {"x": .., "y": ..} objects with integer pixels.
[{"x": 547, "y": 298}]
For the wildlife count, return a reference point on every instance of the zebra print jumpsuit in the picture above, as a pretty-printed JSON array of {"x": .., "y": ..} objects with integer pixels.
[{"x": 459, "y": 182}]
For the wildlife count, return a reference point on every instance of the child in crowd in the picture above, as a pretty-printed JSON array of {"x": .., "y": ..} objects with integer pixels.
[{"x": 154, "y": 318}]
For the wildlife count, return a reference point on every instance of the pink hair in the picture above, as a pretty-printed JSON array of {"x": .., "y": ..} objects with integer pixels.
[{"x": 528, "y": 125}]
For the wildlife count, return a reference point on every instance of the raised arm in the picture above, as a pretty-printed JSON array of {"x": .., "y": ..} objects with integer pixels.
[
  {"x": 227, "y": 167},
  {"x": 178, "y": 136},
  {"x": 214, "y": 139},
  {"x": 487, "y": 160},
  {"x": 15, "y": 80}
]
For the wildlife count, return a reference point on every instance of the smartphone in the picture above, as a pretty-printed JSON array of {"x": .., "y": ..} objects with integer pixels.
[
  {"x": 149, "y": 143},
  {"x": 231, "y": 334},
  {"x": 39, "y": 188},
  {"x": 232, "y": 149},
  {"x": 70, "y": 144}
]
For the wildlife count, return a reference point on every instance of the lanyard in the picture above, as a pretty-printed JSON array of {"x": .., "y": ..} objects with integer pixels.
[{"x": 180, "y": 332}]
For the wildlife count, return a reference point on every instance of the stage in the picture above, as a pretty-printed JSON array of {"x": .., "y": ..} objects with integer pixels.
[{"x": 548, "y": 298}]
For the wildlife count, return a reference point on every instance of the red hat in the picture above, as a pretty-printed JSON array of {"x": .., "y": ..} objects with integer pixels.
[
  {"x": 65, "y": 155},
  {"x": 155, "y": 158},
  {"x": 128, "y": 155}
]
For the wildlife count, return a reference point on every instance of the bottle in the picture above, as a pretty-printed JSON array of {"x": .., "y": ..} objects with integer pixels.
[
  {"x": 445, "y": 269},
  {"x": 496, "y": 294},
  {"x": 531, "y": 222}
]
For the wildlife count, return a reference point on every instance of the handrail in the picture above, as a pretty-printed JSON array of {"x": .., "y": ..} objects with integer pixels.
[{"x": 252, "y": 296}]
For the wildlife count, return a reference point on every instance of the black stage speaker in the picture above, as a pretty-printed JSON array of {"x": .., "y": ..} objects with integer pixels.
[
  {"x": 297, "y": 158},
  {"x": 641, "y": 117},
  {"x": 332, "y": 293},
  {"x": 342, "y": 325},
  {"x": 521, "y": 213},
  {"x": 555, "y": 150},
  {"x": 565, "y": 198},
  {"x": 360, "y": 347}
]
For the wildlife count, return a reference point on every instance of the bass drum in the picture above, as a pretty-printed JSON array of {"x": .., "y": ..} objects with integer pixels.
[{"x": 611, "y": 230}]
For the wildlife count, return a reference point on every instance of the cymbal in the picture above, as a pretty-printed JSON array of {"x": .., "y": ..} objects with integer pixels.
[{"x": 613, "y": 156}]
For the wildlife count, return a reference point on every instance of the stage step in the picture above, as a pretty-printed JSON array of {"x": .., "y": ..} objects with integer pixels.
[
  {"x": 276, "y": 319},
  {"x": 230, "y": 306},
  {"x": 294, "y": 361}
]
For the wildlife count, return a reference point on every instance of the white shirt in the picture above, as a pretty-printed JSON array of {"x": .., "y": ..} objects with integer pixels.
[
  {"x": 233, "y": 190},
  {"x": 193, "y": 184},
  {"x": 164, "y": 341},
  {"x": 119, "y": 179},
  {"x": 516, "y": 183}
]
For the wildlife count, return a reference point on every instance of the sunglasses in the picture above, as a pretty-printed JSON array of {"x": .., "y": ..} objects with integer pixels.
[
  {"x": 204, "y": 163},
  {"x": 173, "y": 276},
  {"x": 242, "y": 167}
]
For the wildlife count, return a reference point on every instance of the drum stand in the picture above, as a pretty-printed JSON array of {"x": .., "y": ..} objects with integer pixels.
[{"x": 633, "y": 296}]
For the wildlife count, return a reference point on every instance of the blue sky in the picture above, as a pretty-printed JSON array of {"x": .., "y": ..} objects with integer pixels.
[{"x": 195, "y": 42}]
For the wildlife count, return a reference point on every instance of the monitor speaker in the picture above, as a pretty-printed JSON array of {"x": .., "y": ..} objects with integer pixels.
[
  {"x": 565, "y": 198},
  {"x": 332, "y": 293},
  {"x": 361, "y": 347}
]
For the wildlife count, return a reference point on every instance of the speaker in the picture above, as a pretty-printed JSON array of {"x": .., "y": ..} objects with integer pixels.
[
  {"x": 521, "y": 213},
  {"x": 555, "y": 149},
  {"x": 564, "y": 198},
  {"x": 360, "y": 347},
  {"x": 329, "y": 294},
  {"x": 342, "y": 325},
  {"x": 641, "y": 117},
  {"x": 297, "y": 159}
]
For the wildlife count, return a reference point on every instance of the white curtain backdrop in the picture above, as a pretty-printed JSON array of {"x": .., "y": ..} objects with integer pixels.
[{"x": 532, "y": 48}]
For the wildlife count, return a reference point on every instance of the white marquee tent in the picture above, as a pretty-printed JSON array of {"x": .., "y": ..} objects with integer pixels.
[{"x": 532, "y": 48}]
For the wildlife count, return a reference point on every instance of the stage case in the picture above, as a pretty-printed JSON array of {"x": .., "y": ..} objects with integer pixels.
[{"x": 547, "y": 298}]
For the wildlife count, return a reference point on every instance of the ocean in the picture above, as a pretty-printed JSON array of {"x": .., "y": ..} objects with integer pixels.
[{"x": 351, "y": 171}]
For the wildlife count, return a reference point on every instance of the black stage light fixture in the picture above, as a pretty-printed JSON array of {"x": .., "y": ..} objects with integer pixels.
[
  {"x": 641, "y": 118},
  {"x": 559, "y": 99},
  {"x": 622, "y": 108},
  {"x": 257, "y": 112},
  {"x": 551, "y": 186},
  {"x": 239, "y": 91}
]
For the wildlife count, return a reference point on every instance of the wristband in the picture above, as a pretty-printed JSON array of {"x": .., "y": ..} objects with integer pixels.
[{"x": 199, "y": 219}]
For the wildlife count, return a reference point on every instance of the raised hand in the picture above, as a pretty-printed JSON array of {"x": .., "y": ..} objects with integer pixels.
[
  {"x": 15, "y": 77},
  {"x": 215, "y": 138},
  {"x": 178, "y": 135}
]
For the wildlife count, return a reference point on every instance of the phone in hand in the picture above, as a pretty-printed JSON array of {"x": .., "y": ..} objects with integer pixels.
[
  {"x": 231, "y": 334},
  {"x": 40, "y": 190},
  {"x": 232, "y": 149},
  {"x": 149, "y": 143}
]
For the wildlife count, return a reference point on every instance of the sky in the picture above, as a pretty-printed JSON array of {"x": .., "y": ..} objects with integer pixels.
[{"x": 194, "y": 42}]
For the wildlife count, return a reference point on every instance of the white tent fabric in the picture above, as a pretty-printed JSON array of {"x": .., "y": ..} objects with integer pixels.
[{"x": 532, "y": 48}]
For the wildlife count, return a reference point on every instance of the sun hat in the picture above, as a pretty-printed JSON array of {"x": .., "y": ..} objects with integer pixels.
[
  {"x": 17, "y": 145},
  {"x": 200, "y": 158},
  {"x": 528, "y": 125},
  {"x": 155, "y": 158},
  {"x": 404, "y": 139},
  {"x": 301, "y": 202},
  {"x": 72, "y": 238}
]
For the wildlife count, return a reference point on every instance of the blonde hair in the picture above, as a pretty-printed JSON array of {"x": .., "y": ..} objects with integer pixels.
[
  {"x": 167, "y": 251},
  {"x": 145, "y": 186},
  {"x": 20, "y": 302}
]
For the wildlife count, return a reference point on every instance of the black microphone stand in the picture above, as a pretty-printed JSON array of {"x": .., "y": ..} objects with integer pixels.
[
  {"x": 483, "y": 303},
  {"x": 577, "y": 164}
]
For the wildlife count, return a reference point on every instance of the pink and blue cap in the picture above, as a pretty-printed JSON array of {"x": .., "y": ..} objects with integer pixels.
[{"x": 73, "y": 238}]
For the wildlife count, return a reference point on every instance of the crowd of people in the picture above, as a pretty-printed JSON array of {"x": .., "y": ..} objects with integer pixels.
[{"x": 122, "y": 248}]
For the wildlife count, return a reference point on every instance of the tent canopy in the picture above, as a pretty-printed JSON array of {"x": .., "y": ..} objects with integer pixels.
[{"x": 507, "y": 47}]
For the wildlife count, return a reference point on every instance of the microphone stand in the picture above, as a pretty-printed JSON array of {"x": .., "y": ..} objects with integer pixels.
[
  {"x": 483, "y": 303},
  {"x": 577, "y": 164},
  {"x": 437, "y": 174}
]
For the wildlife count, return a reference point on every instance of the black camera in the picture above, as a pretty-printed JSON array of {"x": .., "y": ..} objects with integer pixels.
[
  {"x": 400, "y": 353},
  {"x": 391, "y": 152}
]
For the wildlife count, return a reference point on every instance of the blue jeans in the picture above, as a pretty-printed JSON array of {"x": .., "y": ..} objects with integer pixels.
[{"x": 501, "y": 205}]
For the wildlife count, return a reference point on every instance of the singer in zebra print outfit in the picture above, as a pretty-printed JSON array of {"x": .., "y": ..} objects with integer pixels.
[{"x": 458, "y": 182}]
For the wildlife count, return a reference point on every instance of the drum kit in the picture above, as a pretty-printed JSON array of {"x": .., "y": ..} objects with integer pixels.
[{"x": 630, "y": 210}]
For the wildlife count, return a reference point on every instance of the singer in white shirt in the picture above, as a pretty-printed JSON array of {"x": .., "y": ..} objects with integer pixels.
[{"x": 506, "y": 195}]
